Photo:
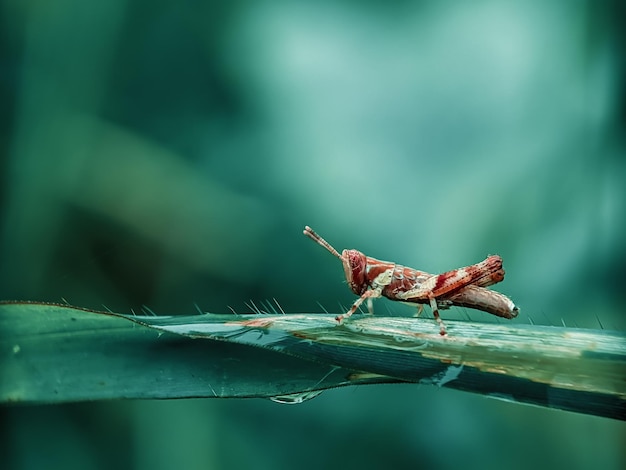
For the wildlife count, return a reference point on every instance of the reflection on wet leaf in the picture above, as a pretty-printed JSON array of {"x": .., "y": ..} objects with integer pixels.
[{"x": 296, "y": 398}]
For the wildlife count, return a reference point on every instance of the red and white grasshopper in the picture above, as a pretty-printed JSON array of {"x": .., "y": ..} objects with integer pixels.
[{"x": 370, "y": 278}]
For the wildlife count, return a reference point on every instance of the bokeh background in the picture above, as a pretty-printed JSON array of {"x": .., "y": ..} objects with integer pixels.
[{"x": 167, "y": 154}]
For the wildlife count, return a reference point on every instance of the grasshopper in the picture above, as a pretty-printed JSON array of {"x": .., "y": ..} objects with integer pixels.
[{"x": 370, "y": 278}]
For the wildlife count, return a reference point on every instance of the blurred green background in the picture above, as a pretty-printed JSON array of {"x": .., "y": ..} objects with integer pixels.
[{"x": 169, "y": 154}]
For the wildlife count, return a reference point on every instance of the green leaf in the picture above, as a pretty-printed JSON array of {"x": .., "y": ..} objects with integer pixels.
[
  {"x": 60, "y": 353},
  {"x": 53, "y": 353}
]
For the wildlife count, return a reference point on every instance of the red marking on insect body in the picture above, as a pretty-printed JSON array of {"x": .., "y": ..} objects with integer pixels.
[
  {"x": 375, "y": 268},
  {"x": 443, "y": 281},
  {"x": 371, "y": 278},
  {"x": 398, "y": 286}
]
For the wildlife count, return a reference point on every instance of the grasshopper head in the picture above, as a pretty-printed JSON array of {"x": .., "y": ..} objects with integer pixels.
[
  {"x": 355, "y": 267},
  {"x": 354, "y": 262}
]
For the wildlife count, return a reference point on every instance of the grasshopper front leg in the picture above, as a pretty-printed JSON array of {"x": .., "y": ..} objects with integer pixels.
[
  {"x": 382, "y": 280},
  {"x": 368, "y": 294}
]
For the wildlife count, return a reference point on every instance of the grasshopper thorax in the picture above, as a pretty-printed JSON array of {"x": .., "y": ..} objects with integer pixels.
[{"x": 355, "y": 268}]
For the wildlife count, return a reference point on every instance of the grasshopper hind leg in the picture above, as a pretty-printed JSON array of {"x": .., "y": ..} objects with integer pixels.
[{"x": 435, "y": 309}]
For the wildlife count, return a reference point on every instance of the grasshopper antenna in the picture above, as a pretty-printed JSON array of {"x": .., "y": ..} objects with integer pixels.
[{"x": 309, "y": 232}]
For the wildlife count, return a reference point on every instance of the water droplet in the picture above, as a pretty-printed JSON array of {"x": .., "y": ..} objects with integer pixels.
[{"x": 296, "y": 398}]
